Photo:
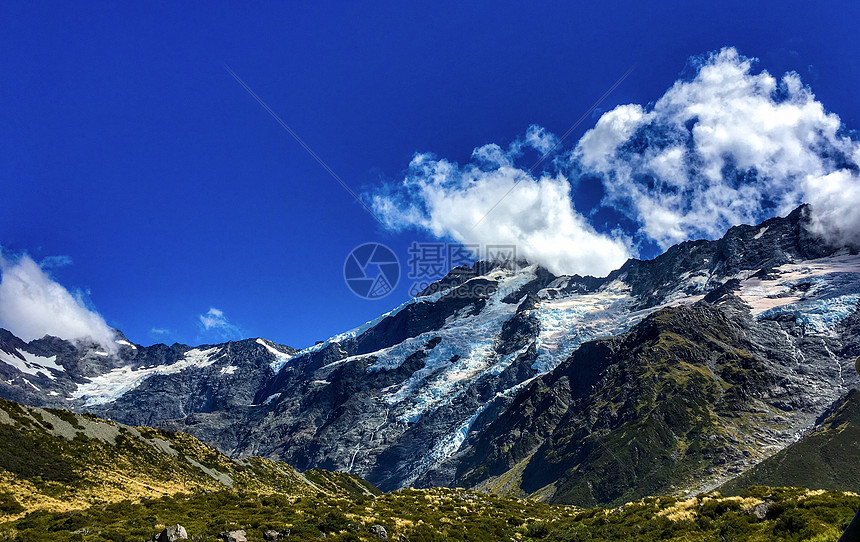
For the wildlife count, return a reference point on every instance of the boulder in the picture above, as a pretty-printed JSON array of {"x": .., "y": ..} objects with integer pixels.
[
  {"x": 171, "y": 534},
  {"x": 378, "y": 531},
  {"x": 759, "y": 511},
  {"x": 234, "y": 536}
]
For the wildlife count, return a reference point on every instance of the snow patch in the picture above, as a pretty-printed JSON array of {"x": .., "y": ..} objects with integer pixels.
[
  {"x": 566, "y": 323},
  {"x": 115, "y": 383},
  {"x": 31, "y": 364},
  {"x": 465, "y": 352},
  {"x": 281, "y": 358},
  {"x": 815, "y": 284},
  {"x": 270, "y": 398}
]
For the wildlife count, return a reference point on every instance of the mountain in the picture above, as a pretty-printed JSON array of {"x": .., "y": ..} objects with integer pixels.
[
  {"x": 824, "y": 458},
  {"x": 72, "y": 477},
  {"x": 495, "y": 376}
]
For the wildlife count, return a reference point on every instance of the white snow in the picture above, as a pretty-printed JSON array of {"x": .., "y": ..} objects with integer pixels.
[
  {"x": 228, "y": 370},
  {"x": 761, "y": 232},
  {"x": 472, "y": 338},
  {"x": 271, "y": 398},
  {"x": 568, "y": 322},
  {"x": 281, "y": 358},
  {"x": 113, "y": 384},
  {"x": 831, "y": 294},
  {"x": 126, "y": 343},
  {"x": 31, "y": 364}
]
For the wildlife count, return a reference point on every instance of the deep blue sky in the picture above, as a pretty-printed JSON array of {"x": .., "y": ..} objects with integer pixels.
[{"x": 127, "y": 147}]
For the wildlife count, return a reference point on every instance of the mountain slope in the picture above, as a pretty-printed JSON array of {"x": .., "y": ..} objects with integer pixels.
[
  {"x": 689, "y": 396},
  {"x": 58, "y": 460},
  {"x": 825, "y": 458}
]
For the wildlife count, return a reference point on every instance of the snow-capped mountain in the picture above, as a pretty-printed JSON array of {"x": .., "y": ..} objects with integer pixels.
[{"x": 483, "y": 378}]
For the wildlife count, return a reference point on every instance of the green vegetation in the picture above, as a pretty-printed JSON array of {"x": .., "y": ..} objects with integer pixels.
[
  {"x": 60, "y": 461},
  {"x": 450, "y": 514}
]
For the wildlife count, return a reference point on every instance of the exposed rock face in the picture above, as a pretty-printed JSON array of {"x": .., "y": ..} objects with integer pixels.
[{"x": 491, "y": 374}]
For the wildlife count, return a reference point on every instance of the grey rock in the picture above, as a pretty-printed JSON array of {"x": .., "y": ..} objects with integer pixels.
[
  {"x": 759, "y": 511},
  {"x": 234, "y": 536},
  {"x": 378, "y": 531},
  {"x": 172, "y": 534}
]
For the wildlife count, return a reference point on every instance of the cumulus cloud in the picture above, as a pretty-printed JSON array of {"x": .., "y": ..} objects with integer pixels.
[
  {"x": 537, "y": 217},
  {"x": 216, "y": 324},
  {"x": 726, "y": 147},
  {"x": 33, "y": 305}
]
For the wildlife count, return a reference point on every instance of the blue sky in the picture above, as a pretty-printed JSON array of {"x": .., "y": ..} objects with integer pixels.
[{"x": 129, "y": 150}]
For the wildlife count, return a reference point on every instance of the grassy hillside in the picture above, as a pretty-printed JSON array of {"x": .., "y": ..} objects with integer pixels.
[
  {"x": 57, "y": 460},
  {"x": 826, "y": 458}
]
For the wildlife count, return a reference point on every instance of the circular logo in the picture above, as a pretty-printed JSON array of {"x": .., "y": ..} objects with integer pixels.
[{"x": 371, "y": 270}]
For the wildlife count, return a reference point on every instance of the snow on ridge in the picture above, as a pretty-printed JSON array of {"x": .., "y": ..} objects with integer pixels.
[
  {"x": 114, "y": 384},
  {"x": 281, "y": 358},
  {"x": 31, "y": 364},
  {"x": 357, "y": 331},
  {"x": 269, "y": 399},
  {"x": 468, "y": 341},
  {"x": 123, "y": 342}
]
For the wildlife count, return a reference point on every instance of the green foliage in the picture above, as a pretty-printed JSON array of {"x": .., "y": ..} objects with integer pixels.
[
  {"x": 30, "y": 454},
  {"x": 447, "y": 514},
  {"x": 8, "y": 504}
]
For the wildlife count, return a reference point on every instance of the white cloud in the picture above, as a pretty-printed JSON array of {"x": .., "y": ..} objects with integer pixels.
[
  {"x": 537, "y": 216},
  {"x": 33, "y": 305},
  {"x": 727, "y": 147},
  {"x": 216, "y": 323}
]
